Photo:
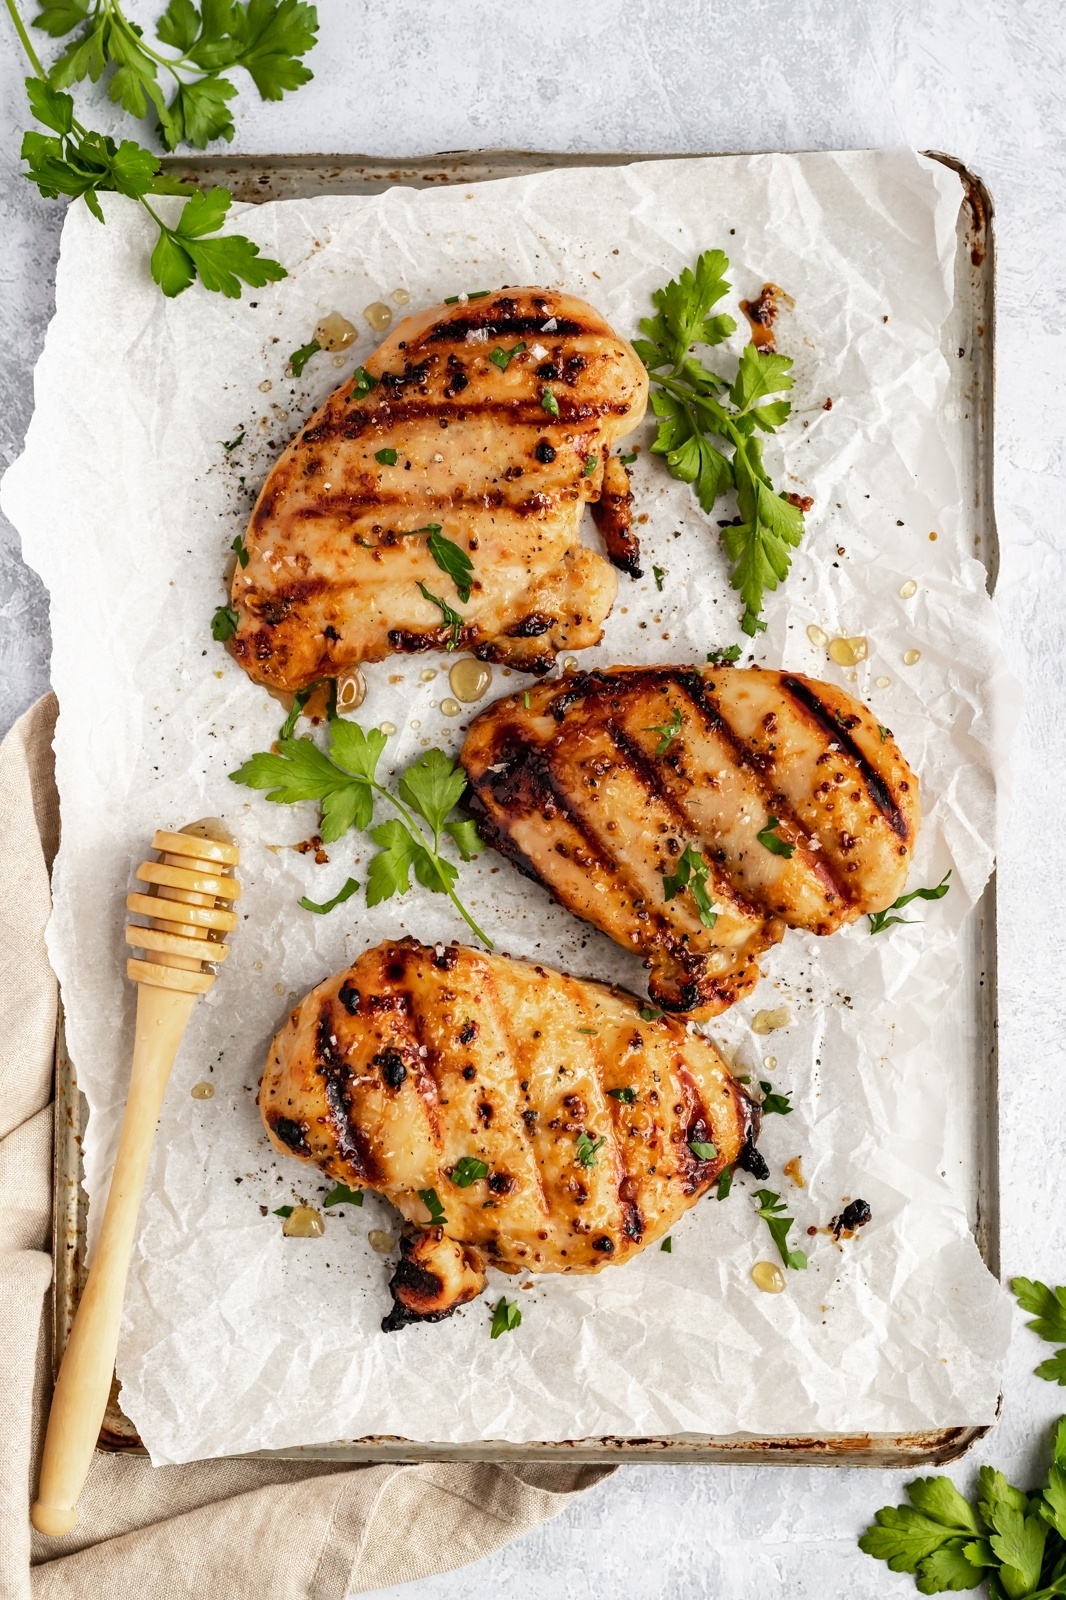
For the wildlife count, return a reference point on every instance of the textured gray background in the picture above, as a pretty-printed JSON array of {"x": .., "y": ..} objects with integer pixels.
[{"x": 982, "y": 80}]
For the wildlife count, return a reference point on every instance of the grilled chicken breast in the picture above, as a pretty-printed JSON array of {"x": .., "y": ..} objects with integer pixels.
[
  {"x": 558, "y": 1131},
  {"x": 491, "y": 421},
  {"x": 780, "y": 799}
]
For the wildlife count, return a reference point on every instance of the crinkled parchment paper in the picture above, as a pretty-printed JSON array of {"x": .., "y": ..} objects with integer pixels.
[{"x": 236, "y": 1338}]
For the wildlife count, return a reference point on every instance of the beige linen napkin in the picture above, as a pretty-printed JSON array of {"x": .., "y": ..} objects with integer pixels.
[{"x": 275, "y": 1530}]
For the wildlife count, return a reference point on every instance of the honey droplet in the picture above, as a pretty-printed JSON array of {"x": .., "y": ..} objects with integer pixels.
[
  {"x": 401, "y": 297},
  {"x": 338, "y": 361},
  {"x": 335, "y": 332},
  {"x": 817, "y": 636},
  {"x": 279, "y": 988},
  {"x": 570, "y": 663},
  {"x": 428, "y": 674},
  {"x": 304, "y": 1222},
  {"x": 415, "y": 724},
  {"x": 351, "y": 690},
  {"x": 266, "y": 386},
  {"x": 770, "y": 1021},
  {"x": 767, "y": 1276},
  {"x": 379, "y": 316},
  {"x": 793, "y": 1170},
  {"x": 911, "y": 658},
  {"x": 848, "y": 652},
  {"x": 380, "y": 1241},
  {"x": 469, "y": 679},
  {"x": 769, "y": 1062},
  {"x": 883, "y": 683},
  {"x": 202, "y": 1091},
  {"x": 909, "y": 590},
  {"x": 450, "y": 707},
  {"x": 388, "y": 729}
]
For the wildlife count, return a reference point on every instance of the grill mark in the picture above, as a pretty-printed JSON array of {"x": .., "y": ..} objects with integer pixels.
[
  {"x": 876, "y": 787},
  {"x": 355, "y": 506},
  {"x": 421, "y": 1067},
  {"x": 506, "y": 327},
  {"x": 519, "y": 1072},
  {"x": 536, "y": 765},
  {"x": 353, "y": 1145},
  {"x": 353, "y": 421},
  {"x": 631, "y": 1220},
  {"x": 638, "y": 763},
  {"x": 694, "y": 687},
  {"x": 693, "y": 1173}
]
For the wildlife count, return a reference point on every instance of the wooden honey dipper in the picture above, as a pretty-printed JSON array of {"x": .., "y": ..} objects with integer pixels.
[{"x": 192, "y": 887}]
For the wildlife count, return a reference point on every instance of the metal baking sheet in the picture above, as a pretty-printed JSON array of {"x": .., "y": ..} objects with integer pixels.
[{"x": 973, "y": 1018}]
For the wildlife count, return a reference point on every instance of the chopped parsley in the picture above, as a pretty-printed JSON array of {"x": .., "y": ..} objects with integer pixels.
[
  {"x": 668, "y": 730},
  {"x": 774, "y": 1103},
  {"x": 627, "y": 1096},
  {"x": 587, "y": 1149},
  {"x": 224, "y": 624},
  {"x": 502, "y": 358},
  {"x": 588, "y": 1030},
  {"x": 475, "y": 294},
  {"x": 590, "y": 466},
  {"x": 725, "y": 1183},
  {"x": 525, "y": 698},
  {"x": 658, "y": 573},
  {"x": 549, "y": 403},
  {"x": 431, "y": 1200},
  {"x": 338, "y": 899},
  {"x": 468, "y": 1170},
  {"x": 343, "y": 1196},
  {"x": 283, "y": 1211},
  {"x": 385, "y": 458},
  {"x": 769, "y": 840},
  {"x": 691, "y": 872},
  {"x": 886, "y": 733},
  {"x": 362, "y": 383},
  {"x": 667, "y": 1245},
  {"x": 724, "y": 658},
  {"x": 880, "y": 920},
  {"x": 771, "y": 1208},
  {"x": 232, "y": 443},
  {"x": 650, "y": 1013},
  {"x": 452, "y": 618},
  {"x": 242, "y": 554},
  {"x": 505, "y": 1318},
  {"x": 701, "y": 1150},
  {"x": 627, "y": 461},
  {"x": 299, "y": 358}
]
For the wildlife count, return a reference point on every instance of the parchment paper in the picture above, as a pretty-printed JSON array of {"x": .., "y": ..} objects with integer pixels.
[{"x": 236, "y": 1338}]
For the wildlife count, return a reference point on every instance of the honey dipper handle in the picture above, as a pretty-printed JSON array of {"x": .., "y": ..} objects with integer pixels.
[{"x": 84, "y": 1381}]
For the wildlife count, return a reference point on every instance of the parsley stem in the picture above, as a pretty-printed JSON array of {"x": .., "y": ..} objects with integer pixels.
[
  {"x": 417, "y": 831},
  {"x": 24, "y": 39}
]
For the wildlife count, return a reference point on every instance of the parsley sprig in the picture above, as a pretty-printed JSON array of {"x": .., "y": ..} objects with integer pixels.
[
  {"x": 1012, "y": 1540},
  {"x": 771, "y": 1208},
  {"x": 264, "y": 36},
  {"x": 1048, "y": 1308},
  {"x": 691, "y": 872},
  {"x": 880, "y": 920},
  {"x": 696, "y": 406},
  {"x": 506, "y": 1317},
  {"x": 345, "y": 783},
  {"x": 770, "y": 840}
]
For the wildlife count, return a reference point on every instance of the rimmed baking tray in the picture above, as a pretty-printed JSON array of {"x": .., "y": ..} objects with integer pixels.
[{"x": 969, "y": 335}]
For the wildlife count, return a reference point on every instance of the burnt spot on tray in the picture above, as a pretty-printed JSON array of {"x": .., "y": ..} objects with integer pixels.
[{"x": 854, "y": 1216}]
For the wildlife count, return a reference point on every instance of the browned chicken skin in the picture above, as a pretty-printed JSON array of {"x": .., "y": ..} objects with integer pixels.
[
  {"x": 602, "y": 781},
  {"x": 398, "y": 1073},
  {"x": 501, "y": 455}
]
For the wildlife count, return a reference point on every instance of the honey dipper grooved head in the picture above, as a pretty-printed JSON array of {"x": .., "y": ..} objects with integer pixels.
[{"x": 188, "y": 906}]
